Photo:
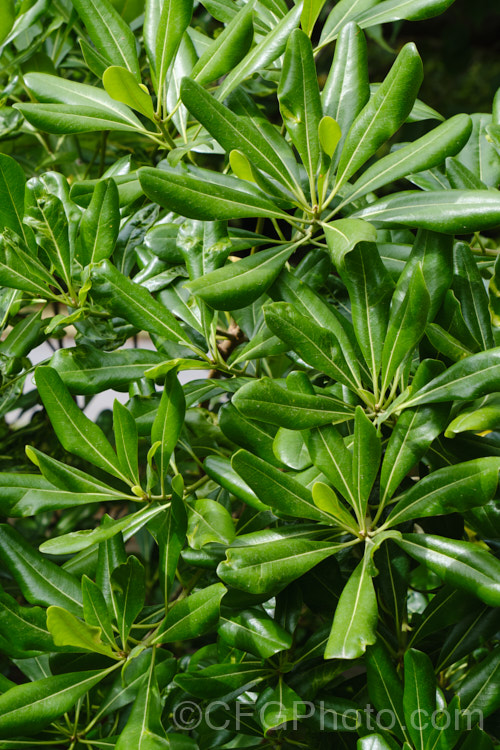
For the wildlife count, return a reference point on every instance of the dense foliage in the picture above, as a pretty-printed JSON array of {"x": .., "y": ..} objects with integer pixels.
[{"x": 300, "y": 545}]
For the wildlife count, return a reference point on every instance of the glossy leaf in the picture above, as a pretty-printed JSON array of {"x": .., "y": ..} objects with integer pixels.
[
  {"x": 169, "y": 530},
  {"x": 355, "y": 621},
  {"x": 447, "y": 211},
  {"x": 41, "y": 581},
  {"x": 228, "y": 49},
  {"x": 95, "y": 610},
  {"x": 174, "y": 19},
  {"x": 283, "y": 494},
  {"x": 125, "y": 430},
  {"x": 347, "y": 89},
  {"x": 220, "y": 469},
  {"x": 193, "y": 616},
  {"x": 68, "y": 630},
  {"x": 451, "y": 489},
  {"x": 469, "y": 288},
  {"x": 128, "y": 592},
  {"x": 462, "y": 564},
  {"x": 26, "y": 709},
  {"x": 122, "y": 86},
  {"x": 384, "y": 685},
  {"x": 267, "y": 401},
  {"x": 109, "y": 32},
  {"x": 365, "y": 460},
  {"x": 238, "y": 284},
  {"x": 419, "y": 697},
  {"x": 300, "y": 103},
  {"x": 134, "y": 303},
  {"x": 100, "y": 224},
  {"x": 385, "y": 112},
  {"x": 478, "y": 692},
  {"x": 330, "y": 455},
  {"x": 256, "y": 633},
  {"x": 209, "y": 522},
  {"x": 200, "y": 197},
  {"x": 168, "y": 422}
]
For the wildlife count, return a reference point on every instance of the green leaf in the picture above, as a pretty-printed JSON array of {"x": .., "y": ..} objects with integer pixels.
[
  {"x": 355, "y": 621},
  {"x": 134, "y": 303},
  {"x": 255, "y": 632},
  {"x": 109, "y": 32},
  {"x": 383, "y": 115},
  {"x": 66, "y": 477},
  {"x": 426, "y": 152},
  {"x": 169, "y": 530},
  {"x": 329, "y": 135},
  {"x": 7, "y": 19},
  {"x": 12, "y": 188},
  {"x": 76, "y": 432},
  {"x": 68, "y": 630},
  {"x": 193, "y": 616},
  {"x": 396, "y": 10},
  {"x": 220, "y": 470},
  {"x": 450, "y": 489},
  {"x": 276, "y": 489},
  {"x": 344, "y": 12},
  {"x": 299, "y": 99},
  {"x": 468, "y": 379},
  {"x": 310, "y": 13},
  {"x": 100, "y": 224},
  {"x": 329, "y": 454},
  {"x": 406, "y": 326},
  {"x": 80, "y": 107},
  {"x": 208, "y": 522},
  {"x": 316, "y": 345},
  {"x": 235, "y": 132},
  {"x": 174, "y": 19},
  {"x": 19, "y": 270},
  {"x": 290, "y": 449},
  {"x": 469, "y": 287},
  {"x": 228, "y": 49},
  {"x": 168, "y": 422},
  {"x": 478, "y": 691},
  {"x": 384, "y": 685},
  {"x": 128, "y": 587},
  {"x": 26, "y": 709},
  {"x": 75, "y": 541},
  {"x": 238, "y": 284},
  {"x": 45, "y": 214},
  {"x": 369, "y": 286},
  {"x": 201, "y": 197},
  {"x": 218, "y": 680},
  {"x": 125, "y": 431},
  {"x": 265, "y": 52},
  {"x": 462, "y": 564},
  {"x": 325, "y": 499},
  {"x": 413, "y": 434},
  {"x": 122, "y": 86},
  {"x": 24, "y": 629},
  {"x": 278, "y": 706},
  {"x": 480, "y": 415},
  {"x": 367, "y": 450},
  {"x": 144, "y": 729},
  {"x": 347, "y": 88},
  {"x": 41, "y": 581},
  {"x": 446, "y": 211},
  {"x": 419, "y": 696},
  {"x": 95, "y": 610},
  {"x": 87, "y": 370},
  {"x": 375, "y": 742},
  {"x": 267, "y": 568},
  {"x": 267, "y": 401}
]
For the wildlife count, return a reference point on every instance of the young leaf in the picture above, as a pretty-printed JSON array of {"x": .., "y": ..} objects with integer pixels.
[
  {"x": 355, "y": 621},
  {"x": 310, "y": 13},
  {"x": 385, "y": 112},
  {"x": 325, "y": 499},
  {"x": 122, "y": 86},
  {"x": 68, "y": 630}
]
